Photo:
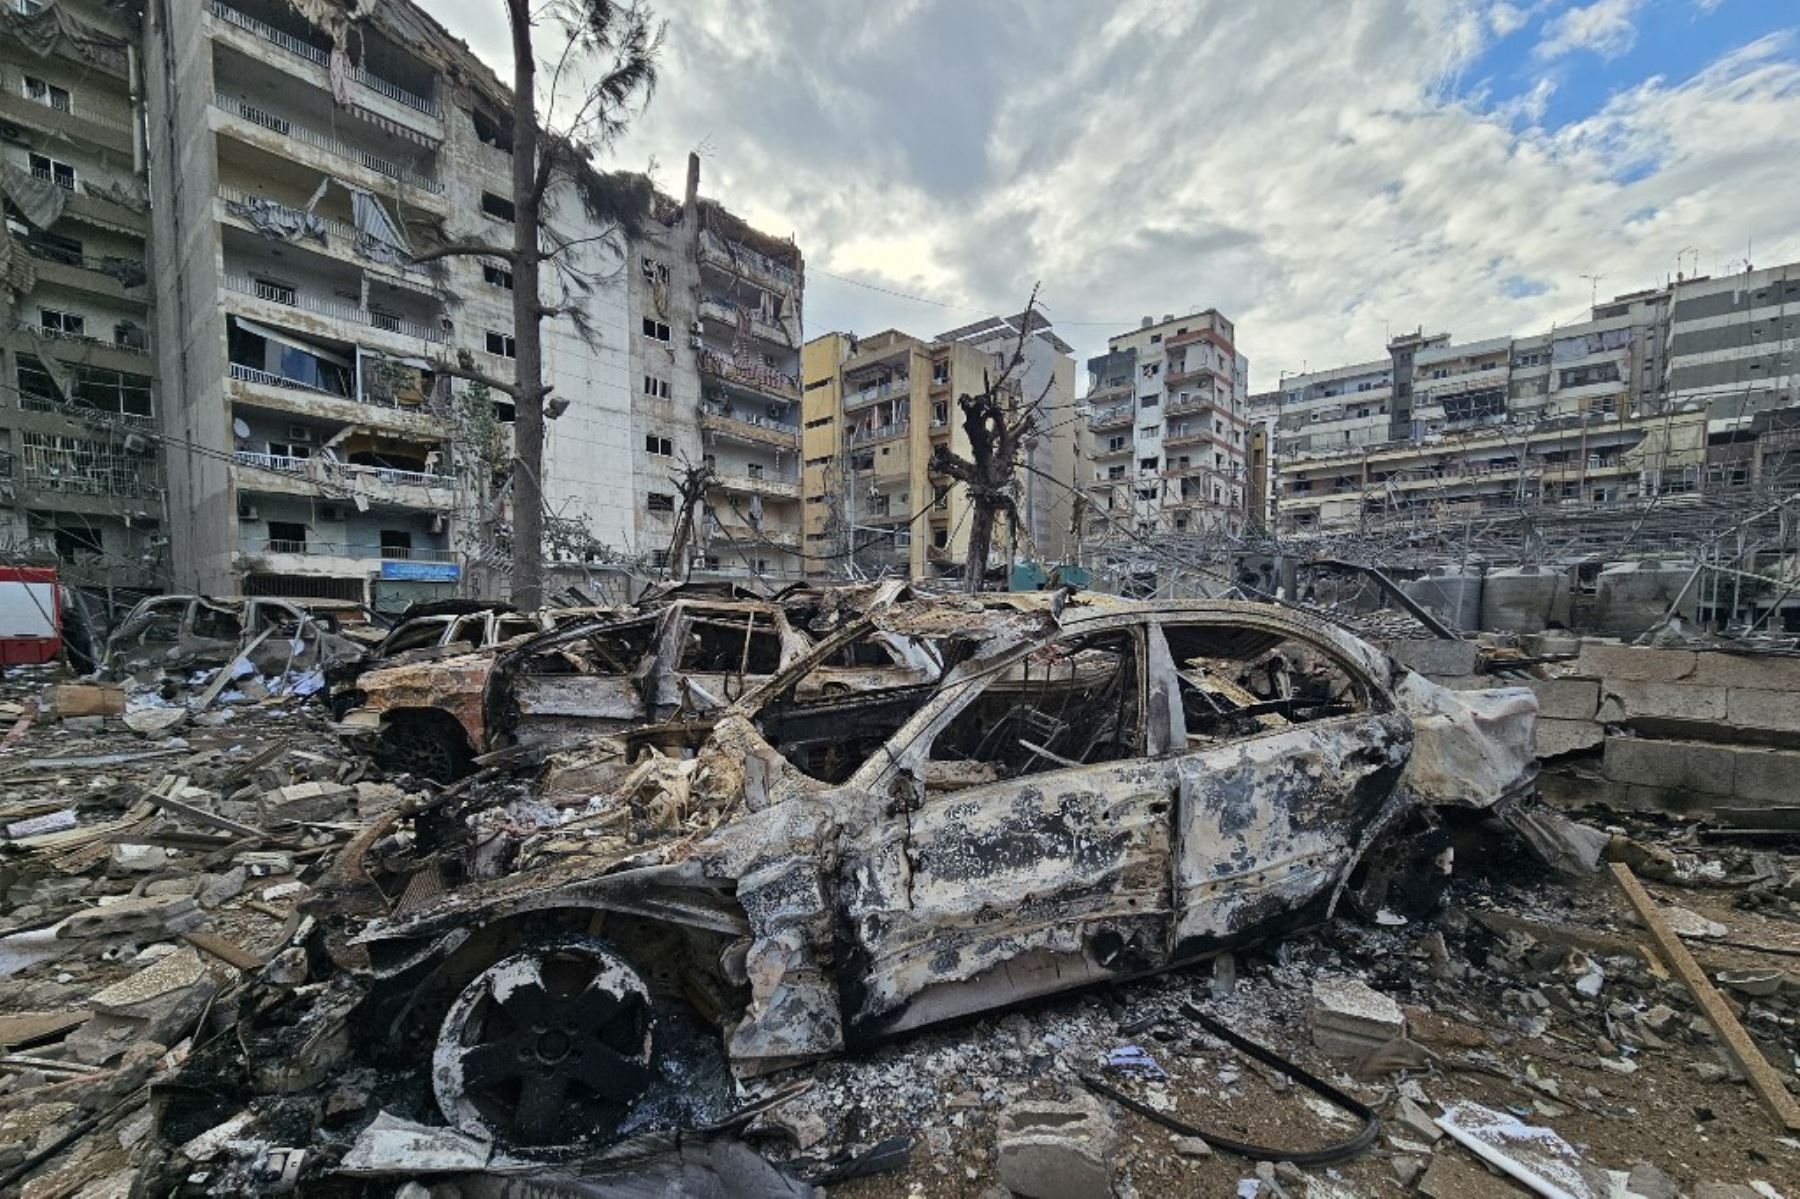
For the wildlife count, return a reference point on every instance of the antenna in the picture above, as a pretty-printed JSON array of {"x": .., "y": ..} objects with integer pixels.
[{"x": 1593, "y": 288}]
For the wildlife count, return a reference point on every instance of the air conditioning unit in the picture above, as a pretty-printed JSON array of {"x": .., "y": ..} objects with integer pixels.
[
  {"x": 699, "y": 326},
  {"x": 134, "y": 443},
  {"x": 299, "y": 433},
  {"x": 247, "y": 512},
  {"x": 331, "y": 512},
  {"x": 696, "y": 343}
]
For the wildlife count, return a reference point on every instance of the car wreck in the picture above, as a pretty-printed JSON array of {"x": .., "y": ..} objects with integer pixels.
[
  {"x": 176, "y": 634},
  {"x": 595, "y": 671},
  {"x": 1063, "y": 797}
]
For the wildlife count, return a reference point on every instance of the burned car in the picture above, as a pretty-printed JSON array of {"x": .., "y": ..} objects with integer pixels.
[
  {"x": 1078, "y": 797},
  {"x": 173, "y": 634},
  {"x": 593, "y": 674}
]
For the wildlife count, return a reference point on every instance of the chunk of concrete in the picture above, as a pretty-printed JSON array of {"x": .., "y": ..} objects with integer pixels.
[
  {"x": 1630, "y": 663},
  {"x": 1350, "y": 1018},
  {"x": 133, "y": 996},
  {"x": 1436, "y": 656},
  {"x": 1691, "y": 766},
  {"x": 1566, "y": 699},
  {"x": 1627, "y": 702},
  {"x": 1558, "y": 737},
  {"x": 74, "y": 700},
  {"x": 1049, "y": 1149},
  {"x": 153, "y": 913}
]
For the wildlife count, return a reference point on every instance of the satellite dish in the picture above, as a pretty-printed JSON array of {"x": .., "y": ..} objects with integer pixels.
[{"x": 240, "y": 428}]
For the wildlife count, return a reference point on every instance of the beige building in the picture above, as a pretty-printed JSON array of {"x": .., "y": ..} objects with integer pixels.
[
  {"x": 80, "y": 468},
  {"x": 875, "y": 411}
]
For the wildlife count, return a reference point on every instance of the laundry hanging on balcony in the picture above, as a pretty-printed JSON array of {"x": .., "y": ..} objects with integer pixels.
[{"x": 277, "y": 220}]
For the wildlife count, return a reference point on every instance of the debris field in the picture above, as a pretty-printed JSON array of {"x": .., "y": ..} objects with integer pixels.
[{"x": 860, "y": 891}]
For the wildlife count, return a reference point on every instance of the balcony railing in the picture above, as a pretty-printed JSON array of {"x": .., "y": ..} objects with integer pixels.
[
  {"x": 736, "y": 256},
  {"x": 335, "y": 309},
  {"x": 276, "y": 123},
  {"x": 767, "y": 483},
  {"x": 339, "y": 549},
  {"x": 749, "y": 418},
  {"x": 249, "y": 374},
  {"x": 395, "y": 92},
  {"x": 879, "y": 432},
  {"x": 270, "y": 34},
  {"x": 887, "y": 389},
  {"x": 324, "y": 468},
  {"x": 82, "y": 339},
  {"x": 755, "y": 376},
  {"x": 1106, "y": 418}
]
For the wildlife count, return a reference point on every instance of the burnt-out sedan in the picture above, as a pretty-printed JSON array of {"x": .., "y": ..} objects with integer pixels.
[{"x": 1080, "y": 796}]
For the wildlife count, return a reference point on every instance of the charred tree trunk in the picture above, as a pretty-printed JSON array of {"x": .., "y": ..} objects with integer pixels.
[{"x": 528, "y": 363}]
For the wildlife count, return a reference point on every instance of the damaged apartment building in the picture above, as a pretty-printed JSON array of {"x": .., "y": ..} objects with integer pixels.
[
  {"x": 877, "y": 408},
  {"x": 1668, "y": 395},
  {"x": 301, "y": 157},
  {"x": 80, "y": 476},
  {"x": 1168, "y": 431}
]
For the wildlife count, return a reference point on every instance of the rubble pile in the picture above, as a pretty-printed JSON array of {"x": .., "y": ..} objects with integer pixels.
[{"x": 912, "y": 900}]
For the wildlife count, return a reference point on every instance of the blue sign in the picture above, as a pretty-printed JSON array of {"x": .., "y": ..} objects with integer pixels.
[{"x": 422, "y": 572}]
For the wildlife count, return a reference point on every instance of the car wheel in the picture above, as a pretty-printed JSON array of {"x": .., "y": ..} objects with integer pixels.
[
  {"x": 430, "y": 745},
  {"x": 547, "y": 1047}
]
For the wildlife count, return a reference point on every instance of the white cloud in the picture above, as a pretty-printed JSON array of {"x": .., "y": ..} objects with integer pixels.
[
  {"x": 1605, "y": 27},
  {"x": 1504, "y": 18},
  {"x": 1303, "y": 171}
]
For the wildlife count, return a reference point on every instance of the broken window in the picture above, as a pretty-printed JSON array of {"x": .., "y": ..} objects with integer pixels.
[
  {"x": 62, "y": 324},
  {"x": 1071, "y": 703},
  {"x": 287, "y": 537},
  {"x": 492, "y": 131},
  {"x": 501, "y": 344},
  {"x": 655, "y": 329},
  {"x": 423, "y": 633},
  {"x": 1238, "y": 682},
  {"x": 662, "y": 447},
  {"x": 53, "y": 171},
  {"x": 47, "y": 94},
  {"x": 730, "y": 644},
  {"x": 498, "y": 207},
  {"x": 659, "y": 501},
  {"x": 215, "y": 623},
  {"x": 497, "y": 276}
]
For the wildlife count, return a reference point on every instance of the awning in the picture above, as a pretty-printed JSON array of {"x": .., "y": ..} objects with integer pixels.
[{"x": 292, "y": 342}]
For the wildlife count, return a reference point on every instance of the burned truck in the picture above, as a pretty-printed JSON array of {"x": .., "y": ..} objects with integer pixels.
[{"x": 1081, "y": 796}]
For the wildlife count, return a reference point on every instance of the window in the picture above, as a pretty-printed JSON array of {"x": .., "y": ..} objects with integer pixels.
[
  {"x": 1152, "y": 431},
  {"x": 280, "y": 293},
  {"x": 940, "y": 413},
  {"x": 498, "y": 207},
  {"x": 497, "y": 276},
  {"x": 59, "y": 173},
  {"x": 1114, "y": 444},
  {"x": 1115, "y": 472},
  {"x": 501, "y": 344},
  {"x": 112, "y": 392},
  {"x": 492, "y": 131},
  {"x": 1147, "y": 463},
  {"x": 662, "y": 447},
  {"x": 289, "y": 449},
  {"x": 1156, "y": 339},
  {"x": 1150, "y": 401},
  {"x": 287, "y": 537},
  {"x": 655, "y": 329},
  {"x": 940, "y": 372},
  {"x": 654, "y": 271},
  {"x": 62, "y": 324},
  {"x": 659, "y": 501},
  {"x": 1151, "y": 369},
  {"x": 47, "y": 94},
  {"x": 655, "y": 387}
]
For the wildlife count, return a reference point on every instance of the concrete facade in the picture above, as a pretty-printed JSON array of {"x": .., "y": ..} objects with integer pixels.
[
  {"x": 80, "y": 467},
  {"x": 1168, "y": 432}
]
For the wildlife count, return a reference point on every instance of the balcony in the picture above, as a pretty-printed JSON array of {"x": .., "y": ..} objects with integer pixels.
[
  {"x": 337, "y": 238},
  {"x": 332, "y": 309},
  {"x": 739, "y": 259},
  {"x": 137, "y": 347},
  {"x": 81, "y": 123},
  {"x": 339, "y": 549},
  {"x": 337, "y": 147},
  {"x": 1174, "y": 438},
  {"x": 1119, "y": 416},
  {"x": 1193, "y": 335},
  {"x": 755, "y": 377},
  {"x": 748, "y": 427},
  {"x": 865, "y": 435},
  {"x": 730, "y": 313},
  {"x": 769, "y": 484},
  {"x": 1182, "y": 378},
  {"x": 117, "y": 278},
  {"x": 1194, "y": 403},
  {"x": 321, "y": 56},
  {"x": 874, "y": 393}
]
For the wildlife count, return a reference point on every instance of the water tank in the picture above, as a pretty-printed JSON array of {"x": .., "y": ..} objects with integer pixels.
[
  {"x": 1524, "y": 599},
  {"x": 1453, "y": 593},
  {"x": 1631, "y": 596}
]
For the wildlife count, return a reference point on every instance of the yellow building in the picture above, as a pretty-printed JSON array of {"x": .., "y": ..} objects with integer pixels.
[{"x": 874, "y": 410}]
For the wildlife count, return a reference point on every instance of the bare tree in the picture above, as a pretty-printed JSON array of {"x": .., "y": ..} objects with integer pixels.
[
  {"x": 606, "y": 61},
  {"x": 998, "y": 427}
]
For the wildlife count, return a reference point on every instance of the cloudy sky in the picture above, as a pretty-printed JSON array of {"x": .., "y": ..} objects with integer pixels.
[{"x": 1322, "y": 171}]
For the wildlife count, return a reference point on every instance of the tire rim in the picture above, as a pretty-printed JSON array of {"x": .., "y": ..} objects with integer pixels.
[{"x": 546, "y": 1047}]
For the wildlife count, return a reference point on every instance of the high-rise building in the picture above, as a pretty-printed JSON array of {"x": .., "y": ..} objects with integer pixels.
[
  {"x": 80, "y": 468},
  {"x": 1168, "y": 433},
  {"x": 329, "y": 432},
  {"x": 875, "y": 411}
]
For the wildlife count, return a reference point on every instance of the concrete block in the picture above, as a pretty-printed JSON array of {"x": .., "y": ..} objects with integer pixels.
[
  {"x": 1763, "y": 777},
  {"x": 1623, "y": 701},
  {"x": 65, "y": 700},
  {"x": 1057, "y": 1150},
  {"x": 1686, "y": 766},
  {"x": 1566, "y": 699},
  {"x": 1550, "y": 641},
  {"x": 1557, "y": 737},
  {"x": 1757, "y": 673},
  {"x": 1349, "y": 1017},
  {"x": 1630, "y": 663},
  {"x": 1436, "y": 657},
  {"x": 1774, "y": 711}
]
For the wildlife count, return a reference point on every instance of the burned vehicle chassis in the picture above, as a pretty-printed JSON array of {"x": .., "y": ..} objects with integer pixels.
[{"x": 1091, "y": 798}]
